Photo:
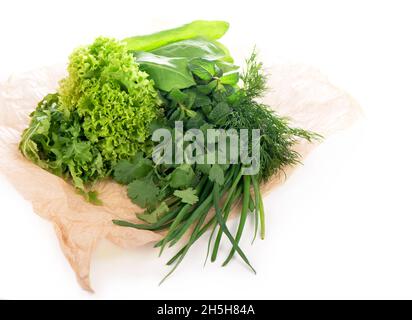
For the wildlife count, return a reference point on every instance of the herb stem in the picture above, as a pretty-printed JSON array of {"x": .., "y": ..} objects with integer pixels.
[
  {"x": 243, "y": 215},
  {"x": 223, "y": 226},
  {"x": 256, "y": 192},
  {"x": 226, "y": 214}
]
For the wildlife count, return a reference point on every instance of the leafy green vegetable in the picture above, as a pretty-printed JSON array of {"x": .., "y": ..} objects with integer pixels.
[
  {"x": 115, "y": 100},
  {"x": 125, "y": 171},
  {"x": 220, "y": 112},
  {"x": 231, "y": 77},
  {"x": 168, "y": 73},
  {"x": 203, "y": 168},
  {"x": 39, "y": 127},
  {"x": 217, "y": 175},
  {"x": 220, "y": 98},
  {"x": 155, "y": 215},
  {"x": 202, "y": 68},
  {"x": 55, "y": 143},
  {"x": 209, "y": 30},
  {"x": 226, "y": 66},
  {"x": 99, "y": 122},
  {"x": 182, "y": 176},
  {"x": 100, "y": 115},
  {"x": 188, "y": 195},
  {"x": 143, "y": 192},
  {"x": 194, "y": 48}
]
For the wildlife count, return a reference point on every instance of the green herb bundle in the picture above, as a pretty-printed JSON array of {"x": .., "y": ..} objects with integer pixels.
[
  {"x": 102, "y": 121},
  {"x": 201, "y": 87}
]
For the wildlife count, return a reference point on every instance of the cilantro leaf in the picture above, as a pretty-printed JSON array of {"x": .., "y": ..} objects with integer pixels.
[
  {"x": 216, "y": 174},
  {"x": 143, "y": 193},
  {"x": 125, "y": 171},
  {"x": 155, "y": 215},
  {"x": 203, "y": 168},
  {"x": 188, "y": 195},
  {"x": 182, "y": 176}
]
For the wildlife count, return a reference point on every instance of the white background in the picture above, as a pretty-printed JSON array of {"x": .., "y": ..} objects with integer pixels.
[{"x": 340, "y": 227}]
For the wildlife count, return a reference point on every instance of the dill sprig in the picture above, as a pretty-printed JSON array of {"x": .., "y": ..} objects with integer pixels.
[
  {"x": 277, "y": 136},
  {"x": 254, "y": 80}
]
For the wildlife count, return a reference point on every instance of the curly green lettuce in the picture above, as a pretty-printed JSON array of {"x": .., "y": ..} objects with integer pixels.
[
  {"x": 101, "y": 114},
  {"x": 116, "y": 101}
]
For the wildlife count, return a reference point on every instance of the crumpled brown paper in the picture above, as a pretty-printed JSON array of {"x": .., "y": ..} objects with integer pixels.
[{"x": 297, "y": 91}]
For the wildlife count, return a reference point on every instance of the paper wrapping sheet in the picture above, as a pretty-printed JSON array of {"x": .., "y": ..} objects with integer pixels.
[{"x": 297, "y": 91}]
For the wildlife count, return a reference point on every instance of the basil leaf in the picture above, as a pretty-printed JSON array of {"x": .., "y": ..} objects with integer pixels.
[
  {"x": 207, "y": 88},
  {"x": 226, "y": 66},
  {"x": 219, "y": 112},
  {"x": 177, "y": 96},
  {"x": 202, "y": 68},
  {"x": 231, "y": 78}
]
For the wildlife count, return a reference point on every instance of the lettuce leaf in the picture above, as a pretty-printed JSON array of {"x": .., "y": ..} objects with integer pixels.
[{"x": 100, "y": 115}]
